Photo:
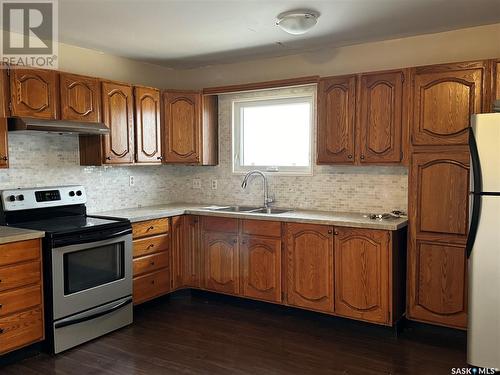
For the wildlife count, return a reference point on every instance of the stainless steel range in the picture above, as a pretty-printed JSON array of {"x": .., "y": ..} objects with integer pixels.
[{"x": 87, "y": 262}]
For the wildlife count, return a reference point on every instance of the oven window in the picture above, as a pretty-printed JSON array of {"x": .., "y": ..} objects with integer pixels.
[{"x": 93, "y": 267}]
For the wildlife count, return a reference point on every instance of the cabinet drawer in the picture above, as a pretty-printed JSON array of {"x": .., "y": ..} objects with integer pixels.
[
  {"x": 19, "y": 275},
  {"x": 150, "y": 263},
  {"x": 151, "y": 285},
  {"x": 22, "y": 251},
  {"x": 261, "y": 228},
  {"x": 20, "y": 299},
  {"x": 18, "y": 330},
  {"x": 220, "y": 224},
  {"x": 150, "y": 245},
  {"x": 150, "y": 228}
]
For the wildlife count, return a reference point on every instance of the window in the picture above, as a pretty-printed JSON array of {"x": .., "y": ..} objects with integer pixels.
[{"x": 273, "y": 134}]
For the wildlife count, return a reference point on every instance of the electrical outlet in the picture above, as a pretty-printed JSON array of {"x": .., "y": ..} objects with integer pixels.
[
  {"x": 131, "y": 180},
  {"x": 214, "y": 184},
  {"x": 196, "y": 183}
]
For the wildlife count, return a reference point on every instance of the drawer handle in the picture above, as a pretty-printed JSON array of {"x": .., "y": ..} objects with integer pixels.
[
  {"x": 1, "y": 331},
  {"x": 150, "y": 228},
  {"x": 152, "y": 282},
  {"x": 152, "y": 263},
  {"x": 1, "y": 305},
  {"x": 151, "y": 246}
]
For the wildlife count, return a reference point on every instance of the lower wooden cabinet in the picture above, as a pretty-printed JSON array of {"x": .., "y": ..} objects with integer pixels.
[
  {"x": 363, "y": 274},
  {"x": 309, "y": 264},
  {"x": 221, "y": 258},
  {"x": 21, "y": 295},
  {"x": 186, "y": 256}
]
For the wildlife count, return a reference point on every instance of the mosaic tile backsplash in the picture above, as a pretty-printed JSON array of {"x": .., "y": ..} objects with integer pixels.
[{"x": 44, "y": 159}]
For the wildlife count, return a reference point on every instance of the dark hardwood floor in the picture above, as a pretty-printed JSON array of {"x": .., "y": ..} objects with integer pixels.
[{"x": 207, "y": 334}]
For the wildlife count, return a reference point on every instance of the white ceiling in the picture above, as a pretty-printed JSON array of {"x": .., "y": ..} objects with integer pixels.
[{"x": 193, "y": 33}]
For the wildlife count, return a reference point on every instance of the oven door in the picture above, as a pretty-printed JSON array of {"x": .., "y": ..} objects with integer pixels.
[{"x": 90, "y": 274}]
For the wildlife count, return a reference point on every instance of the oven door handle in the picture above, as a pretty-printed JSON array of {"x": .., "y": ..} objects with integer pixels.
[
  {"x": 100, "y": 236},
  {"x": 89, "y": 316}
]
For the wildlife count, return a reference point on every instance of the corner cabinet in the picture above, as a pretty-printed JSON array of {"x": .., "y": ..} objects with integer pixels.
[
  {"x": 80, "y": 98},
  {"x": 190, "y": 128},
  {"x": 34, "y": 93},
  {"x": 444, "y": 98},
  {"x": 309, "y": 266},
  {"x": 147, "y": 125}
]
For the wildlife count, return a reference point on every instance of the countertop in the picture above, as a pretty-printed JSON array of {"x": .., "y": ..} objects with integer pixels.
[
  {"x": 342, "y": 219},
  {"x": 9, "y": 234}
]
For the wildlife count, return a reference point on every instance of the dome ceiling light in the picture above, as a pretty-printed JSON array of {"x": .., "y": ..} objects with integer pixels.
[{"x": 297, "y": 22}]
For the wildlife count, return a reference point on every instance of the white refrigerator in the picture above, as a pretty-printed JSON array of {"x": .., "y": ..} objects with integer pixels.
[{"x": 483, "y": 243}]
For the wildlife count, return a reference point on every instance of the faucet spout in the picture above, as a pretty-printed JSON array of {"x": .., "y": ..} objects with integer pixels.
[{"x": 267, "y": 199}]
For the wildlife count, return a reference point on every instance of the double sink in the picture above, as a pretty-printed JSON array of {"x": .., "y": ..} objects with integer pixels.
[{"x": 248, "y": 209}]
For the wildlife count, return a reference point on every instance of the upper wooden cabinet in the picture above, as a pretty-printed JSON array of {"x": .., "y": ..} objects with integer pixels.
[
  {"x": 309, "y": 252},
  {"x": 363, "y": 274},
  {"x": 118, "y": 115},
  {"x": 34, "y": 93},
  {"x": 382, "y": 118},
  {"x": 4, "y": 144},
  {"x": 444, "y": 98},
  {"x": 147, "y": 125},
  {"x": 190, "y": 128},
  {"x": 336, "y": 116},
  {"x": 80, "y": 98}
]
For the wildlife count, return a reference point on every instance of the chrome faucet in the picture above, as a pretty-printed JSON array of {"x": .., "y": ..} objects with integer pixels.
[{"x": 267, "y": 199}]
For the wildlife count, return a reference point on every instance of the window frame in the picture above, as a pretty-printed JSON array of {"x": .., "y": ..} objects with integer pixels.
[{"x": 237, "y": 141}]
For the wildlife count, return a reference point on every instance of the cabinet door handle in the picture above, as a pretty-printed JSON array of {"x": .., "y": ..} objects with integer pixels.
[
  {"x": 152, "y": 263},
  {"x": 336, "y": 233},
  {"x": 5, "y": 158},
  {"x": 152, "y": 282},
  {"x": 349, "y": 156},
  {"x": 330, "y": 231},
  {"x": 1, "y": 305},
  {"x": 1, "y": 331},
  {"x": 235, "y": 241},
  {"x": 362, "y": 157},
  {"x": 159, "y": 157},
  {"x": 108, "y": 157}
]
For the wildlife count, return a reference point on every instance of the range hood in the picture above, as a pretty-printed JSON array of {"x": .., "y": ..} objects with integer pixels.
[{"x": 56, "y": 126}]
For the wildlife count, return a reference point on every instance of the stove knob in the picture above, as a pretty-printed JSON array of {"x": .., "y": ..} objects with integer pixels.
[
  {"x": 72, "y": 193},
  {"x": 20, "y": 197},
  {"x": 11, "y": 198},
  {"x": 79, "y": 193}
]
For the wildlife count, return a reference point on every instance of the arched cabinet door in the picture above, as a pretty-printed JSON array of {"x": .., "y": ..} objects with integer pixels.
[
  {"x": 147, "y": 125},
  {"x": 362, "y": 274},
  {"x": 336, "y": 114},
  {"x": 444, "y": 98},
  {"x": 182, "y": 127},
  {"x": 220, "y": 252},
  {"x": 118, "y": 115},
  {"x": 80, "y": 98},
  {"x": 34, "y": 93},
  {"x": 310, "y": 266},
  {"x": 381, "y": 117}
]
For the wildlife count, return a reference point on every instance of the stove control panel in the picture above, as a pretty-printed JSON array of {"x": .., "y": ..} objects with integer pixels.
[{"x": 25, "y": 199}]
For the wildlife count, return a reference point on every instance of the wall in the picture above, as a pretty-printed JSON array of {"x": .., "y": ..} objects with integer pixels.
[
  {"x": 473, "y": 43},
  {"x": 339, "y": 188}
]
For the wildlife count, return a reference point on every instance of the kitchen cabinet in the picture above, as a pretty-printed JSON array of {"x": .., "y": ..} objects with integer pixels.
[
  {"x": 382, "y": 118},
  {"x": 261, "y": 260},
  {"x": 336, "y": 116},
  {"x": 309, "y": 266},
  {"x": 220, "y": 254},
  {"x": 80, "y": 98},
  {"x": 147, "y": 125},
  {"x": 444, "y": 98},
  {"x": 4, "y": 144},
  {"x": 363, "y": 280},
  {"x": 151, "y": 259},
  {"x": 190, "y": 128},
  {"x": 34, "y": 93},
  {"x": 21, "y": 295},
  {"x": 496, "y": 80}
]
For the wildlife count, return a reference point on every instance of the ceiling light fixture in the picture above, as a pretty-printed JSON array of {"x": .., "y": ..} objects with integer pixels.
[{"x": 297, "y": 22}]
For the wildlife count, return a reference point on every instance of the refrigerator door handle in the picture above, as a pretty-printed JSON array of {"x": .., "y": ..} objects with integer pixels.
[{"x": 477, "y": 187}]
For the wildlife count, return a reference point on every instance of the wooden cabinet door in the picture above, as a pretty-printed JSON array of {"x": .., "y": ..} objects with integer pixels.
[
  {"x": 437, "y": 283},
  {"x": 261, "y": 268},
  {"x": 309, "y": 251},
  {"x": 496, "y": 78},
  {"x": 177, "y": 246},
  {"x": 4, "y": 144},
  {"x": 186, "y": 263},
  {"x": 381, "y": 118},
  {"x": 147, "y": 125},
  {"x": 362, "y": 274},
  {"x": 118, "y": 115},
  {"x": 221, "y": 259},
  {"x": 439, "y": 195},
  {"x": 444, "y": 98},
  {"x": 336, "y": 113},
  {"x": 182, "y": 127},
  {"x": 34, "y": 93},
  {"x": 80, "y": 98}
]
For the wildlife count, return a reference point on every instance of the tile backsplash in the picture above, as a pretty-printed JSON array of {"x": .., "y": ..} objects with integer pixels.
[{"x": 39, "y": 159}]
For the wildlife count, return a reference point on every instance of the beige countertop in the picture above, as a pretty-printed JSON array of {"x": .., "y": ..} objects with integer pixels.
[
  {"x": 344, "y": 219},
  {"x": 10, "y": 234}
]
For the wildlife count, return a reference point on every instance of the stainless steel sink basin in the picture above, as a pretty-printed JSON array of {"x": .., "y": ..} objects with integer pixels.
[
  {"x": 249, "y": 209},
  {"x": 270, "y": 211}
]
